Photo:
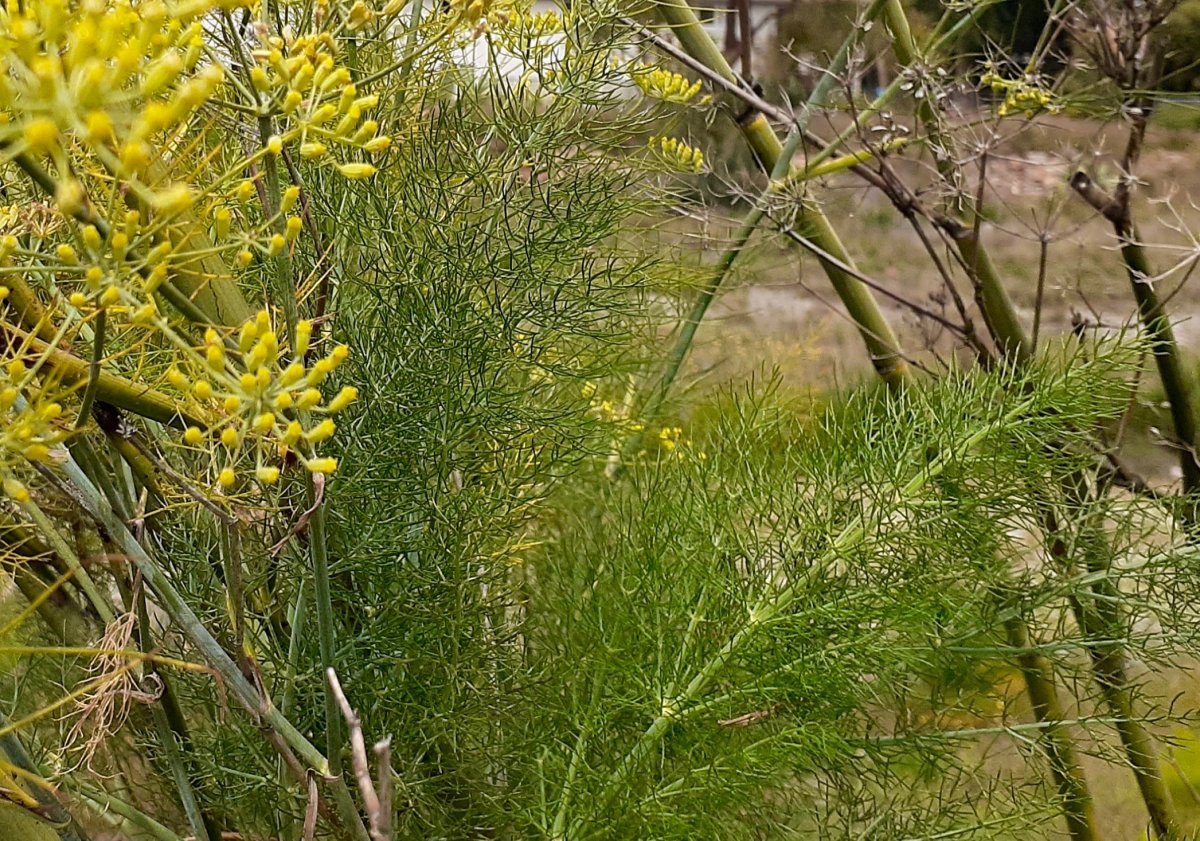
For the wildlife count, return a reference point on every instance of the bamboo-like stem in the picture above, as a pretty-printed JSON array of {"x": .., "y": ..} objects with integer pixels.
[
  {"x": 103, "y": 803},
  {"x": 779, "y": 171},
  {"x": 1069, "y": 781},
  {"x": 1002, "y": 322},
  {"x": 877, "y": 335},
  {"x": 110, "y": 388},
  {"x": 1157, "y": 326}
]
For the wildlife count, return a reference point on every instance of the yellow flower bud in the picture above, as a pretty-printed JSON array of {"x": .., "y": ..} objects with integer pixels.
[
  {"x": 216, "y": 356},
  {"x": 110, "y": 296},
  {"x": 67, "y": 254},
  {"x": 292, "y": 101},
  {"x": 260, "y": 79},
  {"x": 232, "y": 403},
  {"x": 99, "y": 127},
  {"x": 311, "y": 150},
  {"x": 175, "y": 199},
  {"x": 135, "y": 155},
  {"x": 308, "y": 398},
  {"x": 230, "y": 437},
  {"x": 155, "y": 279},
  {"x": 78, "y": 300},
  {"x": 322, "y": 465},
  {"x": 323, "y": 114},
  {"x": 247, "y": 381},
  {"x": 223, "y": 218},
  {"x": 290, "y": 197},
  {"x": 293, "y": 433},
  {"x": 69, "y": 196},
  {"x": 293, "y": 228},
  {"x": 36, "y": 452},
  {"x": 343, "y": 399},
  {"x": 283, "y": 401},
  {"x": 365, "y": 132},
  {"x": 245, "y": 190},
  {"x": 203, "y": 390},
  {"x": 304, "y": 330},
  {"x": 378, "y": 144},
  {"x": 162, "y": 73},
  {"x": 267, "y": 475},
  {"x": 247, "y": 336},
  {"x": 176, "y": 378},
  {"x": 275, "y": 145},
  {"x": 192, "y": 435},
  {"x": 244, "y": 257},
  {"x": 292, "y": 374},
  {"x": 91, "y": 237},
  {"x": 356, "y": 171},
  {"x": 40, "y": 134},
  {"x": 264, "y": 423},
  {"x": 15, "y": 491},
  {"x": 322, "y": 431},
  {"x": 226, "y": 477},
  {"x": 145, "y": 312},
  {"x": 276, "y": 245}
]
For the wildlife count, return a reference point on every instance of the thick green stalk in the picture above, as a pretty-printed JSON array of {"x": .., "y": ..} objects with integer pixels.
[
  {"x": 110, "y": 388},
  {"x": 778, "y": 172},
  {"x": 857, "y": 298},
  {"x": 1072, "y": 787},
  {"x": 1103, "y": 618},
  {"x": 994, "y": 302},
  {"x": 1007, "y": 331},
  {"x": 1175, "y": 380}
]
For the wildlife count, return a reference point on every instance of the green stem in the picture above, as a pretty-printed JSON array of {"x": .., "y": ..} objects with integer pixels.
[
  {"x": 876, "y": 333},
  {"x": 1170, "y": 367},
  {"x": 182, "y": 614},
  {"x": 103, "y": 803},
  {"x": 779, "y": 170},
  {"x": 172, "y": 732},
  {"x": 1005, "y": 327},
  {"x": 319, "y": 552},
  {"x": 59, "y": 544}
]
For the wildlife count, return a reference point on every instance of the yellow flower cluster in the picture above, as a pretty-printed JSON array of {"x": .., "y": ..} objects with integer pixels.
[
  {"x": 262, "y": 399},
  {"x": 28, "y": 430},
  {"x": 300, "y": 81},
  {"x": 1024, "y": 95},
  {"x": 121, "y": 78},
  {"x": 677, "y": 154},
  {"x": 479, "y": 16},
  {"x": 110, "y": 270},
  {"x": 664, "y": 85}
]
